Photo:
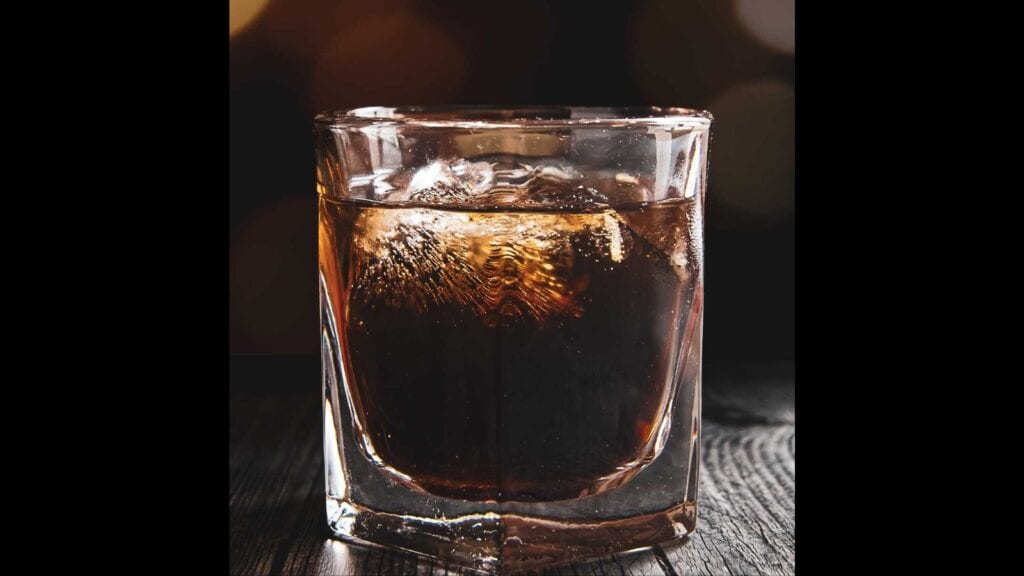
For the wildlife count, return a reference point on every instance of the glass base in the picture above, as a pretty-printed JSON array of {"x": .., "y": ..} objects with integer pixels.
[{"x": 494, "y": 542}]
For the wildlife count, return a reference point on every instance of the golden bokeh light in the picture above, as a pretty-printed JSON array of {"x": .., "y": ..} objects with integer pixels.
[
  {"x": 770, "y": 22},
  {"x": 243, "y": 12},
  {"x": 399, "y": 58},
  {"x": 753, "y": 151},
  {"x": 302, "y": 28}
]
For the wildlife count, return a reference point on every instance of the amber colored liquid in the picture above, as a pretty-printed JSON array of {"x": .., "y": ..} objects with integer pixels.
[{"x": 509, "y": 355}]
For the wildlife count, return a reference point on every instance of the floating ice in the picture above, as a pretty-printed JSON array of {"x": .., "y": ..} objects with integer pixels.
[
  {"x": 444, "y": 182},
  {"x": 500, "y": 264},
  {"x": 480, "y": 184}
]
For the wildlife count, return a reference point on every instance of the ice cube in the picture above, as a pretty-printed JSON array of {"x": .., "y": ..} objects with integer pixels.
[
  {"x": 460, "y": 182},
  {"x": 499, "y": 264},
  {"x": 551, "y": 186},
  {"x": 449, "y": 182},
  {"x": 561, "y": 187}
]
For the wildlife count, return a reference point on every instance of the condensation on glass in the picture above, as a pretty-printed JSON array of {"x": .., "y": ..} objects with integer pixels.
[{"x": 511, "y": 310}]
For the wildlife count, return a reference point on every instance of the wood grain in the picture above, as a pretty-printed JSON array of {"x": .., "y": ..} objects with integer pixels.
[{"x": 746, "y": 502}]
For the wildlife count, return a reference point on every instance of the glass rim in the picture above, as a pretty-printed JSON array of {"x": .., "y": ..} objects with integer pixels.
[{"x": 506, "y": 117}]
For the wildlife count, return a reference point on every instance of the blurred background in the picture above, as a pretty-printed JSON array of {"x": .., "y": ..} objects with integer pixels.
[{"x": 292, "y": 58}]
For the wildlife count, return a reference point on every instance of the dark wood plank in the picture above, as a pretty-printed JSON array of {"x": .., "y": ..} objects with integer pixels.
[{"x": 747, "y": 486}]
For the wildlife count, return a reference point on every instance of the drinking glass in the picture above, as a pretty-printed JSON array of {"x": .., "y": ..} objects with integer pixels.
[{"x": 511, "y": 311}]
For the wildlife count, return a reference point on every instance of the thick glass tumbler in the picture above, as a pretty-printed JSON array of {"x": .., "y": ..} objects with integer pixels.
[{"x": 511, "y": 310}]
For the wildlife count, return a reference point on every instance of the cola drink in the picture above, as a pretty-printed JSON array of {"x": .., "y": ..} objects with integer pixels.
[{"x": 517, "y": 351}]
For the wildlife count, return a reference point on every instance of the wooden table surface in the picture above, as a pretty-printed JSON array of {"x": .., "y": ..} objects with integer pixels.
[{"x": 746, "y": 520}]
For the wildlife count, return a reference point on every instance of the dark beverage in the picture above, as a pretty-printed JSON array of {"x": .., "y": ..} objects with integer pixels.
[
  {"x": 510, "y": 314},
  {"x": 511, "y": 354}
]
